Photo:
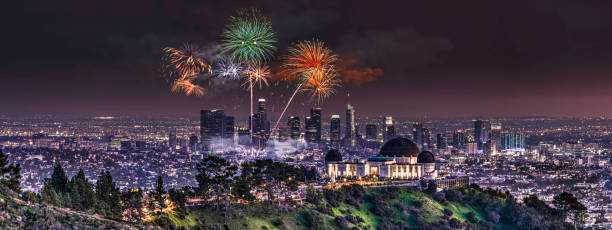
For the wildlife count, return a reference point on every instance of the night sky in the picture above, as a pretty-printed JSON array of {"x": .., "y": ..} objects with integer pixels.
[{"x": 406, "y": 58}]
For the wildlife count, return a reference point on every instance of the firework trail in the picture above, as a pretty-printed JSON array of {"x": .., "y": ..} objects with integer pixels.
[
  {"x": 306, "y": 60},
  {"x": 249, "y": 36}
]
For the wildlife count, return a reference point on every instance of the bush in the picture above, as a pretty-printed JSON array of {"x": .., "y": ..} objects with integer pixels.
[
  {"x": 472, "y": 217},
  {"x": 418, "y": 203},
  {"x": 313, "y": 220},
  {"x": 341, "y": 222},
  {"x": 440, "y": 197},
  {"x": 454, "y": 223},
  {"x": 448, "y": 212},
  {"x": 493, "y": 217}
]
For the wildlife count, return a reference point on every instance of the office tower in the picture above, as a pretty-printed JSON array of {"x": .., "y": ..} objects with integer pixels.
[
  {"x": 388, "y": 129},
  {"x": 417, "y": 134},
  {"x": 294, "y": 125},
  {"x": 309, "y": 130},
  {"x": 441, "y": 141},
  {"x": 350, "y": 125},
  {"x": 315, "y": 117},
  {"x": 513, "y": 141},
  {"x": 471, "y": 147},
  {"x": 283, "y": 133},
  {"x": 228, "y": 127},
  {"x": 481, "y": 132},
  {"x": 427, "y": 140},
  {"x": 459, "y": 139},
  {"x": 495, "y": 138},
  {"x": 334, "y": 129},
  {"x": 193, "y": 143},
  {"x": 371, "y": 132},
  {"x": 172, "y": 140},
  {"x": 214, "y": 124},
  {"x": 261, "y": 125}
]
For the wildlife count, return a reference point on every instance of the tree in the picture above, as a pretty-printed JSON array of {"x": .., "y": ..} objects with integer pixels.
[
  {"x": 215, "y": 176},
  {"x": 9, "y": 173},
  {"x": 244, "y": 183},
  {"x": 571, "y": 207},
  {"x": 432, "y": 188},
  {"x": 538, "y": 205},
  {"x": 132, "y": 200},
  {"x": 81, "y": 192},
  {"x": 160, "y": 193},
  {"x": 59, "y": 180},
  {"x": 108, "y": 197},
  {"x": 179, "y": 198},
  {"x": 313, "y": 195}
]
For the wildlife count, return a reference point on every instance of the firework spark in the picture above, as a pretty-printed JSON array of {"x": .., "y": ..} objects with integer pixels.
[
  {"x": 257, "y": 72},
  {"x": 184, "y": 62},
  {"x": 320, "y": 84},
  {"x": 187, "y": 87},
  {"x": 307, "y": 56},
  {"x": 249, "y": 36},
  {"x": 228, "y": 68}
]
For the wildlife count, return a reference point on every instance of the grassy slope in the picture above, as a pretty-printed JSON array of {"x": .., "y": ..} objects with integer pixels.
[
  {"x": 44, "y": 217},
  {"x": 260, "y": 216}
]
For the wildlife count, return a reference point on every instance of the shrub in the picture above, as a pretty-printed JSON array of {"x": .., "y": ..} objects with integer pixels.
[
  {"x": 454, "y": 223},
  {"x": 494, "y": 217},
  {"x": 448, "y": 212},
  {"x": 341, "y": 222},
  {"x": 418, "y": 203}
]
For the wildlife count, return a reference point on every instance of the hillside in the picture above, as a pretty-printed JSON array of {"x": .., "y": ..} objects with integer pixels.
[
  {"x": 379, "y": 208},
  {"x": 18, "y": 214},
  {"x": 350, "y": 207}
]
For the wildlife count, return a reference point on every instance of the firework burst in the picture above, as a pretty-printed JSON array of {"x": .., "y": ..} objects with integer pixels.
[
  {"x": 308, "y": 56},
  {"x": 249, "y": 36},
  {"x": 257, "y": 72},
  {"x": 187, "y": 87},
  {"x": 228, "y": 68},
  {"x": 185, "y": 61},
  {"x": 320, "y": 84}
]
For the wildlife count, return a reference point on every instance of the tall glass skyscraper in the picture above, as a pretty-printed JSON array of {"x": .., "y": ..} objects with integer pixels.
[{"x": 350, "y": 125}]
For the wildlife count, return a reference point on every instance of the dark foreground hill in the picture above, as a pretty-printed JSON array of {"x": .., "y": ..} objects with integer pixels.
[{"x": 350, "y": 207}]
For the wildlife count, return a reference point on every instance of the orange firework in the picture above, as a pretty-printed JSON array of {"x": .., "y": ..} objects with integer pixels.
[
  {"x": 320, "y": 83},
  {"x": 186, "y": 86},
  {"x": 184, "y": 62},
  {"x": 308, "y": 56},
  {"x": 257, "y": 72}
]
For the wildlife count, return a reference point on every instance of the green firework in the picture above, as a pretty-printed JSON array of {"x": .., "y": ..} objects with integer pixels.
[{"x": 249, "y": 36}]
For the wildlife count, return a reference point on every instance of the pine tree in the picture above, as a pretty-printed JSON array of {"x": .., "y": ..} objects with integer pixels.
[
  {"x": 12, "y": 179},
  {"x": 108, "y": 197},
  {"x": 81, "y": 192},
  {"x": 59, "y": 180}
]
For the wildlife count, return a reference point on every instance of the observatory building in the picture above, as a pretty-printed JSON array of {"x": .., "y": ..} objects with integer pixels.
[{"x": 399, "y": 158}]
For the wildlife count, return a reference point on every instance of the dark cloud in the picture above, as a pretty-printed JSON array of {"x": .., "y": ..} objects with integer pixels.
[{"x": 395, "y": 50}]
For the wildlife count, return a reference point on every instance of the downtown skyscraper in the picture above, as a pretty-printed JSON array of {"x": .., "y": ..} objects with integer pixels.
[
  {"x": 294, "y": 127},
  {"x": 334, "y": 130},
  {"x": 313, "y": 126},
  {"x": 388, "y": 129},
  {"x": 214, "y": 124},
  {"x": 349, "y": 136}
]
